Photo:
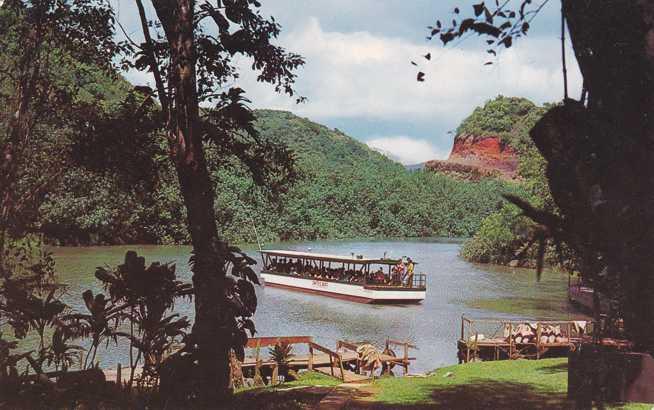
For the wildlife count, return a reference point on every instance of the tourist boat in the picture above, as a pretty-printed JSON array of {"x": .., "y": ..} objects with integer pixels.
[{"x": 344, "y": 277}]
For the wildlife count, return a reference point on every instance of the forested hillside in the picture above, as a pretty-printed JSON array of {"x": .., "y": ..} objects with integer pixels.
[
  {"x": 101, "y": 172},
  {"x": 504, "y": 235},
  {"x": 343, "y": 189}
]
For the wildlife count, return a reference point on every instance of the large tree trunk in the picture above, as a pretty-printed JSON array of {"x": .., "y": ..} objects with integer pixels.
[
  {"x": 601, "y": 157},
  {"x": 211, "y": 330}
]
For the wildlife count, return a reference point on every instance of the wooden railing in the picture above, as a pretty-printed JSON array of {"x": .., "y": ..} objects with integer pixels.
[
  {"x": 333, "y": 357},
  {"x": 405, "y": 360},
  {"x": 255, "y": 342}
]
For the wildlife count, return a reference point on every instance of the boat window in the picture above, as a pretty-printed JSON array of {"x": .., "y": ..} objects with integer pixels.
[{"x": 382, "y": 273}]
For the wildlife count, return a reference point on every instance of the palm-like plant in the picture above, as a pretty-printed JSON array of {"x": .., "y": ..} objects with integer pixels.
[
  {"x": 141, "y": 296},
  {"x": 63, "y": 355},
  {"x": 95, "y": 324},
  {"x": 281, "y": 354},
  {"x": 155, "y": 339}
]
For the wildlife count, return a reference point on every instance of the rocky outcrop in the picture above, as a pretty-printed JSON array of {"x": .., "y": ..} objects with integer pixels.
[{"x": 474, "y": 157}]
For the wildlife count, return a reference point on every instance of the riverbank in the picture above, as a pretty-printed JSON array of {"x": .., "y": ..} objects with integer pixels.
[{"x": 515, "y": 384}]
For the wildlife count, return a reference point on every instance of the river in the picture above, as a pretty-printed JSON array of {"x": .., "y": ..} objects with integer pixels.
[{"x": 454, "y": 287}]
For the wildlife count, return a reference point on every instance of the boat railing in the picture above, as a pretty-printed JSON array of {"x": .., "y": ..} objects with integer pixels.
[{"x": 419, "y": 280}]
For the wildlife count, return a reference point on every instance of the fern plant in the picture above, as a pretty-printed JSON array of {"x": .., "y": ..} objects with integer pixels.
[{"x": 281, "y": 354}]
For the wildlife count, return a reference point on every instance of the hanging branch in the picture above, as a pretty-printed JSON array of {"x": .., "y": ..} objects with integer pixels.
[
  {"x": 565, "y": 71},
  {"x": 148, "y": 49}
]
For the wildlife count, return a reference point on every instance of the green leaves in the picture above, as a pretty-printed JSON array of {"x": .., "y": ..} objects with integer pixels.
[{"x": 500, "y": 22}]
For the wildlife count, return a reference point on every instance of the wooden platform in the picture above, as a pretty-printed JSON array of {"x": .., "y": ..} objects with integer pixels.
[
  {"x": 302, "y": 361},
  {"x": 343, "y": 363},
  {"x": 488, "y": 339}
]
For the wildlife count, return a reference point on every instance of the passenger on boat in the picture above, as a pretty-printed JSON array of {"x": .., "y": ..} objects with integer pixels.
[
  {"x": 409, "y": 273},
  {"x": 398, "y": 272},
  {"x": 379, "y": 276}
]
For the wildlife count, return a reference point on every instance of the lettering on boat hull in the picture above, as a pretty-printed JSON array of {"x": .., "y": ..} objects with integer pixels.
[{"x": 346, "y": 291}]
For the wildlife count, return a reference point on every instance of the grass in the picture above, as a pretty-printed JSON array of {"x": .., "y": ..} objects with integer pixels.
[
  {"x": 313, "y": 379},
  {"x": 507, "y": 384},
  {"x": 521, "y": 384},
  {"x": 303, "y": 393}
]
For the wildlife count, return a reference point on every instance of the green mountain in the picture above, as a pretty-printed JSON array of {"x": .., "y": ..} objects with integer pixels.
[
  {"x": 315, "y": 143},
  {"x": 344, "y": 190},
  {"x": 348, "y": 190}
]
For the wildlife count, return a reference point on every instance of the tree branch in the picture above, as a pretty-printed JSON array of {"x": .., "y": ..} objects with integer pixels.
[
  {"x": 565, "y": 71},
  {"x": 152, "y": 60}
]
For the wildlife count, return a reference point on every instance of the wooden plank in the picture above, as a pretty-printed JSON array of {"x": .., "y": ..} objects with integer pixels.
[
  {"x": 253, "y": 342},
  {"x": 323, "y": 349},
  {"x": 319, "y": 359},
  {"x": 347, "y": 345},
  {"x": 398, "y": 343}
]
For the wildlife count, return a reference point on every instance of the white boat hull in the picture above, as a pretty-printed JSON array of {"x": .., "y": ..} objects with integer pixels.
[{"x": 348, "y": 291}]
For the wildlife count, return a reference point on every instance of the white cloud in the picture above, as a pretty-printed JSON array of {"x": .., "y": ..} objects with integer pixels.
[
  {"x": 357, "y": 74},
  {"x": 364, "y": 78},
  {"x": 407, "y": 150}
]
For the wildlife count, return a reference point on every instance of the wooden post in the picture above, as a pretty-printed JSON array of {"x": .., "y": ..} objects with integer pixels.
[
  {"x": 119, "y": 378},
  {"x": 331, "y": 364},
  {"x": 462, "y": 332},
  {"x": 340, "y": 361},
  {"x": 406, "y": 358},
  {"x": 275, "y": 374},
  {"x": 310, "y": 361},
  {"x": 510, "y": 340},
  {"x": 538, "y": 331}
]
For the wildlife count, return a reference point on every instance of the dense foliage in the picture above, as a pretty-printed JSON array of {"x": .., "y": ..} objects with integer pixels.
[
  {"x": 509, "y": 118},
  {"x": 343, "y": 190},
  {"x": 504, "y": 235},
  {"x": 347, "y": 190},
  {"x": 104, "y": 178}
]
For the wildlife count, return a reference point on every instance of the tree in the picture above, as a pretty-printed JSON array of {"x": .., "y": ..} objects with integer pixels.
[
  {"x": 600, "y": 158},
  {"x": 38, "y": 38},
  {"x": 191, "y": 62}
]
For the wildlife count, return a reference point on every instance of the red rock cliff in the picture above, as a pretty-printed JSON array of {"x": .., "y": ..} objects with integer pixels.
[{"x": 475, "y": 157}]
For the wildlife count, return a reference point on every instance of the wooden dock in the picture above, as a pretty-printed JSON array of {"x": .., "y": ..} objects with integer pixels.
[
  {"x": 483, "y": 339},
  {"x": 343, "y": 363}
]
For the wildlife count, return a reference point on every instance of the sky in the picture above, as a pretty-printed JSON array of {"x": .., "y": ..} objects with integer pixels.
[{"x": 358, "y": 75}]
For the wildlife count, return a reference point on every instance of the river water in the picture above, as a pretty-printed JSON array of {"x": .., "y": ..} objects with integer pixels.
[{"x": 454, "y": 287}]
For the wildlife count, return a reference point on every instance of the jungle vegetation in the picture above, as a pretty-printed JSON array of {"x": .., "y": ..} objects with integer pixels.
[
  {"x": 597, "y": 150},
  {"x": 116, "y": 186},
  {"x": 91, "y": 159},
  {"x": 504, "y": 236}
]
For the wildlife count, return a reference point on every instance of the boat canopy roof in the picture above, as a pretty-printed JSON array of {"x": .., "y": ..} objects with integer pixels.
[{"x": 329, "y": 258}]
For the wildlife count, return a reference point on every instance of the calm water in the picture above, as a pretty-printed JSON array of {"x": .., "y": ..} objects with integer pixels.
[{"x": 455, "y": 287}]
